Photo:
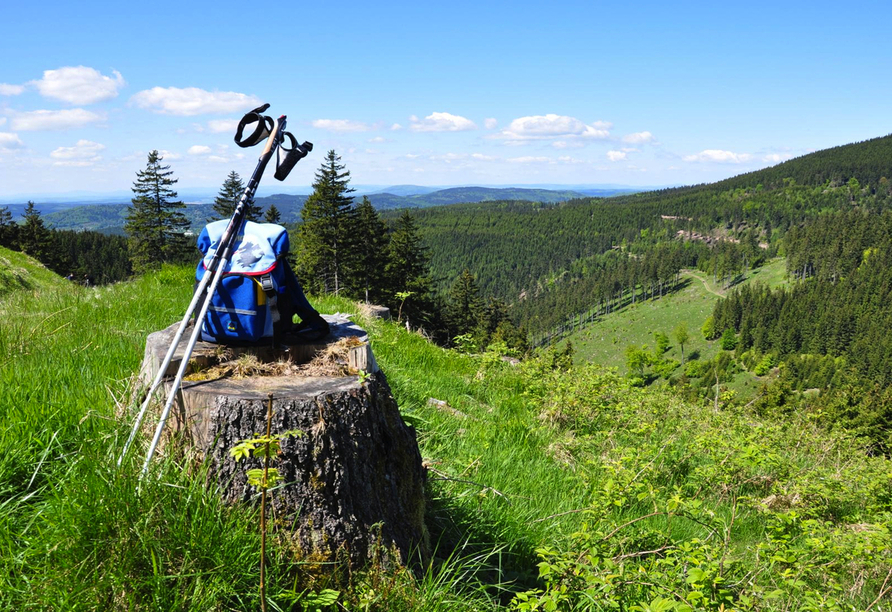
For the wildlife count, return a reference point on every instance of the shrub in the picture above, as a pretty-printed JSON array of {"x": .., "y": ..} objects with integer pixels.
[{"x": 729, "y": 340}]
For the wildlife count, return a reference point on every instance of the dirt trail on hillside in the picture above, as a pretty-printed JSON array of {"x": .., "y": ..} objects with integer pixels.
[{"x": 705, "y": 284}]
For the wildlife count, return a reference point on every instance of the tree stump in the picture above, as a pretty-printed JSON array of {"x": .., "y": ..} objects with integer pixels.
[{"x": 353, "y": 480}]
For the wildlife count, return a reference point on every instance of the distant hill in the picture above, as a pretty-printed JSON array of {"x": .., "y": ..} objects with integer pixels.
[
  {"x": 17, "y": 209},
  {"x": 110, "y": 218},
  {"x": 405, "y": 190},
  {"x": 457, "y": 195},
  {"x": 106, "y": 218}
]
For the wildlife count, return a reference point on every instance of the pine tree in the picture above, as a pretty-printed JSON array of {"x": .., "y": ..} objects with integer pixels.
[
  {"x": 408, "y": 271},
  {"x": 272, "y": 215},
  {"x": 326, "y": 253},
  {"x": 155, "y": 226},
  {"x": 465, "y": 312},
  {"x": 8, "y": 229},
  {"x": 34, "y": 237},
  {"x": 370, "y": 278},
  {"x": 228, "y": 198}
]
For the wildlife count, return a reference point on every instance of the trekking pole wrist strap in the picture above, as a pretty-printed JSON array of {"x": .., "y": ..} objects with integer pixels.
[{"x": 262, "y": 127}]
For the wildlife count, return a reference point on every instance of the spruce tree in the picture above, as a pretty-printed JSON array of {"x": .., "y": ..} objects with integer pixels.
[
  {"x": 465, "y": 312},
  {"x": 326, "y": 252},
  {"x": 228, "y": 198},
  {"x": 408, "y": 271},
  {"x": 370, "y": 278},
  {"x": 155, "y": 226},
  {"x": 272, "y": 215},
  {"x": 34, "y": 238},
  {"x": 8, "y": 229}
]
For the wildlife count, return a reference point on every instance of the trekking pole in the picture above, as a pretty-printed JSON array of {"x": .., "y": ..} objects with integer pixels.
[
  {"x": 275, "y": 130},
  {"x": 231, "y": 232}
]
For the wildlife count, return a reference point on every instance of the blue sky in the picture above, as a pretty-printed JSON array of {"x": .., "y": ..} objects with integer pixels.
[{"x": 635, "y": 93}]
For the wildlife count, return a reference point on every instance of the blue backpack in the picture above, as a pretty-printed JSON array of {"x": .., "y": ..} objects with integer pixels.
[{"x": 252, "y": 302}]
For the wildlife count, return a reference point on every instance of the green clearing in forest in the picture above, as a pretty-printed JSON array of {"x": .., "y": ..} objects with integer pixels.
[{"x": 604, "y": 342}]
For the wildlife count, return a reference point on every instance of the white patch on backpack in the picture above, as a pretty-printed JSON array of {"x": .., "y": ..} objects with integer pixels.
[{"x": 249, "y": 253}]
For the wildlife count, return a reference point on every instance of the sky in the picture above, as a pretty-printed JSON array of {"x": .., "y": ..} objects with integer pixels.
[{"x": 436, "y": 94}]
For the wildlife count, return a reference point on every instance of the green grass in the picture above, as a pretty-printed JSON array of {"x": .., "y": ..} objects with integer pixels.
[
  {"x": 19, "y": 272},
  {"x": 571, "y": 469},
  {"x": 604, "y": 341}
]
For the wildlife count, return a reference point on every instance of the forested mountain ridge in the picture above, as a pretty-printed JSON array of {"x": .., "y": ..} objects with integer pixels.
[
  {"x": 456, "y": 195},
  {"x": 547, "y": 259},
  {"x": 868, "y": 161}
]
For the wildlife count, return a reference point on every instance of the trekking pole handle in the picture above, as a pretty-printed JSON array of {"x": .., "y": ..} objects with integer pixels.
[{"x": 275, "y": 138}]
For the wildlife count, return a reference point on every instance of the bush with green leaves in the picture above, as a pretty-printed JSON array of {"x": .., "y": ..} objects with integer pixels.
[{"x": 728, "y": 340}]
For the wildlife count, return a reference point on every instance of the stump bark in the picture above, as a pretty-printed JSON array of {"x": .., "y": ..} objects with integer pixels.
[{"x": 353, "y": 478}]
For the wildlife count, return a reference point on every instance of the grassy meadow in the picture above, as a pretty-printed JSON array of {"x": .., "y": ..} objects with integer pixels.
[
  {"x": 604, "y": 341},
  {"x": 551, "y": 486}
]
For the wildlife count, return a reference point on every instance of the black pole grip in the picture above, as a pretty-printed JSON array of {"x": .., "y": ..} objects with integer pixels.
[{"x": 287, "y": 157}]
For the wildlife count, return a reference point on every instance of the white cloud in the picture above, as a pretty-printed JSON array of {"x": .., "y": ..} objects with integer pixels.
[
  {"x": 83, "y": 149},
  {"x": 11, "y": 90},
  {"x": 490, "y": 123},
  {"x": 217, "y": 158},
  {"x": 396, "y": 126},
  {"x": 9, "y": 141},
  {"x": 551, "y": 126},
  {"x": 199, "y": 150},
  {"x": 563, "y": 144},
  {"x": 2, "y": 121},
  {"x": 79, "y": 85},
  {"x": 378, "y": 139},
  {"x": 482, "y": 157},
  {"x": 53, "y": 120},
  {"x": 449, "y": 157},
  {"x": 219, "y": 126},
  {"x": 717, "y": 155},
  {"x": 340, "y": 125},
  {"x": 441, "y": 122},
  {"x": 84, "y": 153},
  {"x": 529, "y": 160},
  {"x": 616, "y": 155},
  {"x": 776, "y": 158},
  {"x": 638, "y": 138},
  {"x": 566, "y": 159},
  {"x": 165, "y": 154},
  {"x": 191, "y": 101}
]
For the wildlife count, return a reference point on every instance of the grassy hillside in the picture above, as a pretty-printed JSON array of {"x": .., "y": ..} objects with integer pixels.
[
  {"x": 605, "y": 340},
  {"x": 18, "y": 272},
  {"x": 549, "y": 488}
]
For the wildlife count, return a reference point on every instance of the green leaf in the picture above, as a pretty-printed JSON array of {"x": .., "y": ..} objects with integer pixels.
[
  {"x": 242, "y": 450},
  {"x": 255, "y": 477},
  {"x": 696, "y": 575}
]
